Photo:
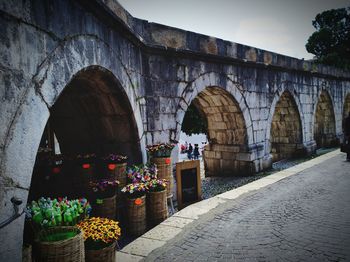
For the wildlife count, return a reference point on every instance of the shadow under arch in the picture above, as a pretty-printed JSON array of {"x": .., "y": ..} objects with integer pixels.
[
  {"x": 285, "y": 133},
  {"x": 93, "y": 114},
  {"x": 227, "y": 151},
  {"x": 324, "y": 130}
]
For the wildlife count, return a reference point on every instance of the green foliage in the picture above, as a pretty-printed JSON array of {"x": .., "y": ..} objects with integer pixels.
[
  {"x": 331, "y": 42},
  {"x": 194, "y": 122}
]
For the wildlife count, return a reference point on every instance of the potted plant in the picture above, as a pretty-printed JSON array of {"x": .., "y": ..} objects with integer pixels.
[
  {"x": 104, "y": 197},
  {"x": 160, "y": 155},
  {"x": 136, "y": 207},
  {"x": 53, "y": 221},
  {"x": 114, "y": 166},
  {"x": 100, "y": 235},
  {"x": 157, "y": 209},
  {"x": 142, "y": 173},
  {"x": 160, "y": 150}
]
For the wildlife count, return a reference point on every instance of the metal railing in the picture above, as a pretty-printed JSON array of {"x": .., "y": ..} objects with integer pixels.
[{"x": 16, "y": 203}]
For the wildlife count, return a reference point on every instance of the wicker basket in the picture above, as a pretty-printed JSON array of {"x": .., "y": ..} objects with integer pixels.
[
  {"x": 118, "y": 173},
  {"x": 157, "y": 208},
  {"x": 106, "y": 254},
  {"x": 105, "y": 207},
  {"x": 164, "y": 172},
  {"x": 71, "y": 249},
  {"x": 136, "y": 216}
]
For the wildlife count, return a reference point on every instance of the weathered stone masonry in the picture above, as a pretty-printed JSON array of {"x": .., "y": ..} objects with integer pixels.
[{"x": 147, "y": 75}]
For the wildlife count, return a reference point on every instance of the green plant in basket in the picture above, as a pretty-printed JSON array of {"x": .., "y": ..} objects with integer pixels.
[
  {"x": 99, "y": 232},
  {"x": 46, "y": 213}
]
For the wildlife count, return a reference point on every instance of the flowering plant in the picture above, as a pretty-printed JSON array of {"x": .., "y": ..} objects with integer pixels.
[
  {"x": 160, "y": 150},
  {"x": 48, "y": 212},
  {"x": 104, "y": 188},
  {"x": 135, "y": 190},
  {"x": 99, "y": 232},
  {"x": 157, "y": 185},
  {"x": 142, "y": 173},
  {"x": 114, "y": 158}
]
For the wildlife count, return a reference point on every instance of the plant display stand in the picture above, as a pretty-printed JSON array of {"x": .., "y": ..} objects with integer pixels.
[
  {"x": 136, "y": 215},
  {"x": 157, "y": 208}
]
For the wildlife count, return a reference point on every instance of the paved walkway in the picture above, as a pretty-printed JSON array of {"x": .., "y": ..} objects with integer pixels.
[{"x": 300, "y": 214}]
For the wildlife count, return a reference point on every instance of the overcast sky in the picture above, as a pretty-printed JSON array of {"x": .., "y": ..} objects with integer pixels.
[{"x": 281, "y": 26}]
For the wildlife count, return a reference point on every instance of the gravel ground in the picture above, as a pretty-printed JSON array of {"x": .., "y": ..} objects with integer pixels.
[{"x": 212, "y": 186}]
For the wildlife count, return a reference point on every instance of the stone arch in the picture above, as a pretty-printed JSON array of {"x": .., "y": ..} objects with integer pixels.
[
  {"x": 228, "y": 130},
  {"x": 276, "y": 99},
  {"x": 93, "y": 114},
  {"x": 324, "y": 121},
  {"x": 212, "y": 79},
  {"x": 27, "y": 127},
  {"x": 285, "y": 132}
]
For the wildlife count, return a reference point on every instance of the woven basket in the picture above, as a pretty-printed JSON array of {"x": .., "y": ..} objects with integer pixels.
[
  {"x": 157, "y": 208},
  {"x": 106, "y": 254},
  {"x": 71, "y": 249},
  {"x": 136, "y": 216},
  {"x": 164, "y": 172},
  {"x": 118, "y": 173},
  {"x": 105, "y": 207}
]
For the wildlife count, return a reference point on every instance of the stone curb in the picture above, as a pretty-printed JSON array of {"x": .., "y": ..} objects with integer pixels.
[{"x": 168, "y": 229}]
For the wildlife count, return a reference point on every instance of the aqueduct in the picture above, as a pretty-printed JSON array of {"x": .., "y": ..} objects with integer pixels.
[{"x": 106, "y": 80}]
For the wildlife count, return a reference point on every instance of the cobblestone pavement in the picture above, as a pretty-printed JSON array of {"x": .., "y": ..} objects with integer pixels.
[{"x": 305, "y": 217}]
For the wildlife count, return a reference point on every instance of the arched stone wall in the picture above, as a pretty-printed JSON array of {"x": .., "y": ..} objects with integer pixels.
[
  {"x": 296, "y": 104},
  {"x": 229, "y": 152},
  {"x": 191, "y": 91},
  {"x": 324, "y": 122},
  {"x": 226, "y": 133},
  {"x": 286, "y": 128},
  {"x": 26, "y": 129}
]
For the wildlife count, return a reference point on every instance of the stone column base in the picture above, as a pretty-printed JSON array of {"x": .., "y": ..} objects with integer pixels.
[{"x": 228, "y": 160}]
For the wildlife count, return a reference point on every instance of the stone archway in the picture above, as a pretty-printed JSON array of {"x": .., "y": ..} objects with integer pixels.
[
  {"x": 286, "y": 129},
  {"x": 28, "y": 123},
  {"x": 227, "y": 135},
  {"x": 93, "y": 114},
  {"x": 324, "y": 128}
]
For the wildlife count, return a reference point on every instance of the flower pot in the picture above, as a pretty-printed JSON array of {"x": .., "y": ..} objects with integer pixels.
[
  {"x": 71, "y": 249},
  {"x": 157, "y": 208},
  {"x": 105, "y": 207},
  {"x": 165, "y": 172},
  {"x": 136, "y": 215},
  {"x": 106, "y": 254}
]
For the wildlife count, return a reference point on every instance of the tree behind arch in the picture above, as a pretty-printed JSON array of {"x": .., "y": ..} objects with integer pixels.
[{"x": 331, "y": 42}]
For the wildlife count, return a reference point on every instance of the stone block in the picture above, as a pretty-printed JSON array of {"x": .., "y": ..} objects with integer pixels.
[
  {"x": 172, "y": 38},
  {"x": 142, "y": 246}
]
